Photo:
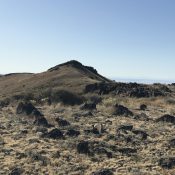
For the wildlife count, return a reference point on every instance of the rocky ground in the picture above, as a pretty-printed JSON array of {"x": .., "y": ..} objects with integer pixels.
[
  {"x": 70, "y": 120},
  {"x": 108, "y": 135}
]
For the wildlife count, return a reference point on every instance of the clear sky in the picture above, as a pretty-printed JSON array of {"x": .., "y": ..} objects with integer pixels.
[{"x": 120, "y": 38}]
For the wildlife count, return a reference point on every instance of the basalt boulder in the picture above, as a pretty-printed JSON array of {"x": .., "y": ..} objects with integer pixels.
[
  {"x": 30, "y": 110},
  {"x": 54, "y": 134},
  {"x": 62, "y": 122},
  {"x": 27, "y": 109},
  {"x": 143, "y": 107},
  {"x": 166, "y": 118},
  {"x": 83, "y": 147},
  {"x": 121, "y": 111},
  {"x": 72, "y": 133}
]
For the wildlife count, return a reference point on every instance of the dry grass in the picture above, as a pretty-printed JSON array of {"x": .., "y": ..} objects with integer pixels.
[
  {"x": 69, "y": 161},
  {"x": 23, "y": 145}
]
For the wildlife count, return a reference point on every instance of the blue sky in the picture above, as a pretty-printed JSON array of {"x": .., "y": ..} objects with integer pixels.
[{"x": 120, "y": 38}]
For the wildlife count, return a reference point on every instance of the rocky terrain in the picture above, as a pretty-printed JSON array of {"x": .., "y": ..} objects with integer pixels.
[{"x": 70, "y": 120}]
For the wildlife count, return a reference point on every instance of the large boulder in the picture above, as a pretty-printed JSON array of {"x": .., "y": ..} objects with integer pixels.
[
  {"x": 143, "y": 107},
  {"x": 73, "y": 133},
  {"x": 28, "y": 109},
  {"x": 83, "y": 147},
  {"x": 96, "y": 148},
  {"x": 54, "y": 134},
  {"x": 62, "y": 122},
  {"x": 166, "y": 118},
  {"x": 122, "y": 110},
  {"x": 41, "y": 121}
]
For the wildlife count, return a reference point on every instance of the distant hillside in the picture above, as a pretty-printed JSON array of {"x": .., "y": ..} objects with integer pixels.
[{"x": 71, "y": 76}]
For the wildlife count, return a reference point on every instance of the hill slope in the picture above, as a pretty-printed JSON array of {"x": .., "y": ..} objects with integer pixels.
[{"x": 71, "y": 75}]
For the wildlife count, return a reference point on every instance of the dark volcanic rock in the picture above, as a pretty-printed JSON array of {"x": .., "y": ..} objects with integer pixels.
[
  {"x": 95, "y": 130},
  {"x": 83, "y": 147},
  {"x": 166, "y": 118},
  {"x": 143, "y": 107},
  {"x": 28, "y": 109},
  {"x": 95, "y": 148},
  {"x": 103, "y": 172},
  {"x": 139, "y": 92},
  {"x": 88, "y": 106},
  {"x": 128, "y": 89},
  {"x": 121, "y": 110},
  {"x": 41, "y": 121},
  {"x": 62, "y": 122},
  {"x": 102, "y": 150},
  {"x": 167, "y": 162},
  {"x": 54, "y": 134},
  {"x": 72, "y": 132}
]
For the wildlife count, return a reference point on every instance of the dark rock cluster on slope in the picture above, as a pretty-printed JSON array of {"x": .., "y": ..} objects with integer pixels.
[
  {"x": 128, "y": 89},
  {"x": 28, "y": 109},
  {"x": 129, "y": 129},
  {"x": 96, "y": 148}
]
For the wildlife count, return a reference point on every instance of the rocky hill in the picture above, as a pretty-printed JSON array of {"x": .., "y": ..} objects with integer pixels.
[
  {"x": 71, "y": 120},
  {"x": 71, "y": 76}
]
